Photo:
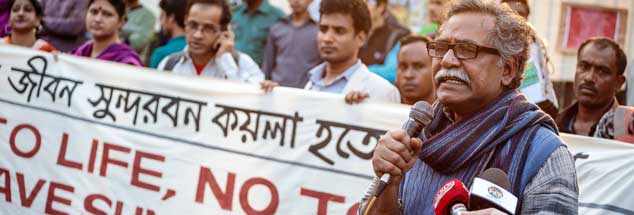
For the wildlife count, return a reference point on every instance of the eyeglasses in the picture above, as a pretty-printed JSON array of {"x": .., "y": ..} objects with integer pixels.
[
  {"x": 192, "y": 26},
  {"x": 460, "y": 50}
]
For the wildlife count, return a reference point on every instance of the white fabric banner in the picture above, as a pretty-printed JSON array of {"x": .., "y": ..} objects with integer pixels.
[
  {"x": 80, "y": 136},
  {"x": 605, "y": 169}
]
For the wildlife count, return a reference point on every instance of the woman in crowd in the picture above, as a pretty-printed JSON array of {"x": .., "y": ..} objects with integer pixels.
[
  {"x": 103, "y": 21},
  {"x": 24, "y": 18}
]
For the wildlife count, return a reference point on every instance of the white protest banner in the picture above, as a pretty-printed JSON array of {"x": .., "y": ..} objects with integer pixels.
[
  {"x": 81, "y": 136},
  {"x": 605, "y": 169}
]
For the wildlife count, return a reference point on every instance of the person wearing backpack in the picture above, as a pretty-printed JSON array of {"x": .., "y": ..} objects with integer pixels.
[{"x": 210, "y": 42}]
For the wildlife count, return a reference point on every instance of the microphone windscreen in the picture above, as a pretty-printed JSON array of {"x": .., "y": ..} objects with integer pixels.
[
  {"x": 497, "y": 176},
  {"x": 421, "y": 112},
  {"x": 451, "y": 193},
  {"x": 490, "y": 190}
]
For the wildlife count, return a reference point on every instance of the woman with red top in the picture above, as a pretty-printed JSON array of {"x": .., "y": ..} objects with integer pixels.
[
  {"x": 103, "y": 21},
  {"x": 24, "y": 18}
]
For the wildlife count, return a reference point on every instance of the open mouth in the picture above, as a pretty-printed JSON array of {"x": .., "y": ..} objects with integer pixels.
[{"x": 452, "y": 80}]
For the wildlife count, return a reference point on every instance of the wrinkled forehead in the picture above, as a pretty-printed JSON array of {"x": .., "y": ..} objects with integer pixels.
[
  {"x": 471, "y": 27},
  {"x": 598, "y": 56}
]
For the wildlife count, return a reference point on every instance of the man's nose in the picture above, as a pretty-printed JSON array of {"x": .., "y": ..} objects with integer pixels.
[
  {"x": 449, "y": 60},
  {"x": 327, "y": 36}
]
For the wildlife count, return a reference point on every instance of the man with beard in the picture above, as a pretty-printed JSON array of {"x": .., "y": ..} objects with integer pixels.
[
  {"x": 600, "y": 66},
  {"x": 343, "y": 29},
  {"x": 479, "y": 121}
]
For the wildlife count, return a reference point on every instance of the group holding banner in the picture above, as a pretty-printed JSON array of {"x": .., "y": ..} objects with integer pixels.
[{"x": 83, "y": 136}]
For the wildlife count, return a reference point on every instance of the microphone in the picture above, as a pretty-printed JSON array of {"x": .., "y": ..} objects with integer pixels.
[
  {"x": 419, "y": 116},
  {"x": 490, "y": 190},
  {"x": 451, "y": 198}
]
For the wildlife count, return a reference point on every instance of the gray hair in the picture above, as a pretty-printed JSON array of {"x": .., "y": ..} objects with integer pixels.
[{"x": 510, "y": 36}]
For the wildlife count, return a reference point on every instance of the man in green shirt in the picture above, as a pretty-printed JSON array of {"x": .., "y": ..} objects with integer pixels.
[
  {"x": 435, "y": 11},
  {"x": 138, "y": 31},
  {"x": 251, "y": 23},
  {"x": 173, "y": 25}
]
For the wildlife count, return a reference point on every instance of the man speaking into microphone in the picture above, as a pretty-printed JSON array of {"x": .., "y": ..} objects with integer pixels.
[{"x": 479, "y": 121}]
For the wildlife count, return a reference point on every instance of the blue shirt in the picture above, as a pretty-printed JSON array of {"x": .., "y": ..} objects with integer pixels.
[
  {"x": 336, "y": 86},
  {"x": 251, "y": 30},
  {"x": 174, "y": 45},
  {"x": 388, "y": 69}
]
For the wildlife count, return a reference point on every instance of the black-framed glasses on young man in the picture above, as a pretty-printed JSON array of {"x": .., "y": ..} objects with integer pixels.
[{"x": 461, "y": 50}]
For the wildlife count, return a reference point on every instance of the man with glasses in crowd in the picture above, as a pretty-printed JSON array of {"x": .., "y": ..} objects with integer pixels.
[
  {"x": 209, "y": 50},
  {"x": 480, "y": 121}
]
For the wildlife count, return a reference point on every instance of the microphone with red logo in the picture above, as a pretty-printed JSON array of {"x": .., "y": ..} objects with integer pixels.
[
  {"x": 490, "y": 190},
  {"x": 419, "y": 116},
  {"x": 451, "y": 198}
]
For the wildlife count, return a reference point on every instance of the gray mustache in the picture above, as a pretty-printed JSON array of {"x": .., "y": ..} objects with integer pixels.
[{"x": 452, "y": 73}]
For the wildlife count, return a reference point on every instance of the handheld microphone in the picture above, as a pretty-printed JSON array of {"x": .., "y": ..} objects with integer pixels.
[
  {"x": 451, "y": 198},
  {"x": 419, "y": 116},
  {"x": 490, "y": 190}
]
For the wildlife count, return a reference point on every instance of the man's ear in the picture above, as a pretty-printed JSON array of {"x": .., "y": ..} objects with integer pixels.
[
  {"x": 360, "y": 38},
  {"x": 620, "y": 80},
  {"x": 508, "y": 75}
]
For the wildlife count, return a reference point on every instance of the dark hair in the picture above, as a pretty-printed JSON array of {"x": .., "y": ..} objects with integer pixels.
[
  {"x": 36, "y": 6},
  {"x": 357, "y": 9},
  {"x": 523, "y": 2},
  {"x": 118, "y": 5},
  {"x": 414, "y": 38},
  {"x": 225, "y": 19},
  {"x": 604, "y": 42},
  {"x": 176, "y": 8}
]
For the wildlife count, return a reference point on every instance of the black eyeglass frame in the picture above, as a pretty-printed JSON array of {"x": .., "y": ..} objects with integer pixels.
[{"x": 450, "y": 46}]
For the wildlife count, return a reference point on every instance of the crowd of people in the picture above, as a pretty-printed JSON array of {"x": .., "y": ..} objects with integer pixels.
[
  {"x": 362, "y": 51},
  {"x": 359, "y": 49}
]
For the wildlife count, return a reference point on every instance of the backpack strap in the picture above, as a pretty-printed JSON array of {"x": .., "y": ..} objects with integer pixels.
[
  {"x": 236, "y": 56},
  {"x": 172, "y": 60}
]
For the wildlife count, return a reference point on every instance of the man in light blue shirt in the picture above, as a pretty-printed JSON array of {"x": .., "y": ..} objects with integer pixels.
[{"x": 343, "y": 29}]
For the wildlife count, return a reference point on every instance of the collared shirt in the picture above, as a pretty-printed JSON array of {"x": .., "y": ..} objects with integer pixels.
[
  {"x": 291, "y": 51},
  {"x": 337, "y": 85},
  {"x": 223, "y": 67},
  {"x": 251, "y": 30},
  {"x": 566, "y": 119},
  {"x": 174, "y": 45}
]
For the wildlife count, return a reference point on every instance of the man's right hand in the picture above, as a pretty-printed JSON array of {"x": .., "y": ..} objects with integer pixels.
[
  {"x": 268, "y": 86},
  {"x": 395, "y": 154}
]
